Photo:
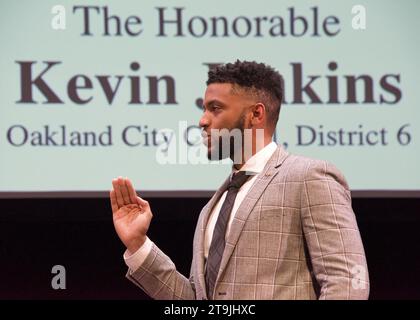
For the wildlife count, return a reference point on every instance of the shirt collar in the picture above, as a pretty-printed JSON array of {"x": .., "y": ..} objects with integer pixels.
[{"x": 257, "y": 162}]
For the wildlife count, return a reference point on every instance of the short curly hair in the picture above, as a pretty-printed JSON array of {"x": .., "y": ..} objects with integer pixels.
[{"x": 257, "y": 79}]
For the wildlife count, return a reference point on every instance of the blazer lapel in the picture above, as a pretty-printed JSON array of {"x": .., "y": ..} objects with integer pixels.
[
  {"x": 257, "y": 189},
  {"x": 201, "y": 229}
]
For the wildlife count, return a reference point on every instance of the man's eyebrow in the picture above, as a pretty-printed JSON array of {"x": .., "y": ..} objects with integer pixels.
[{"x": 212, "y": 103}]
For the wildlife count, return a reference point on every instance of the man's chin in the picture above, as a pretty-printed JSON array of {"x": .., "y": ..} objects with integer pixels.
[
  {"x": 214, "y": 154},
  {"x": 211, "y": 154}
]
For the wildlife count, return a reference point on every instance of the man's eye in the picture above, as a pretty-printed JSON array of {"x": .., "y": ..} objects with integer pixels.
[{"x": 212, "y": 108}]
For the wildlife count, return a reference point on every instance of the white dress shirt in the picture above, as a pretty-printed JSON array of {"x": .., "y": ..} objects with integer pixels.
[{"x": 254, "y": 166}]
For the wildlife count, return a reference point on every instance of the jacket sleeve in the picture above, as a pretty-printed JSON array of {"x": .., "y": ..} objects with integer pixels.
[
  {"x": 159, "y": 279},
  {"x": 332, "y": 235}
]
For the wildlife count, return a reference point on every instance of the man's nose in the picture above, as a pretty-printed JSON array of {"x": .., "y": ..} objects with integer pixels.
[{"x": 204, "y": 121}]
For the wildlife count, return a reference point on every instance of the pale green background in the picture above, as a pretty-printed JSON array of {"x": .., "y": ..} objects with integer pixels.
[{"x": 390, "y": 44}]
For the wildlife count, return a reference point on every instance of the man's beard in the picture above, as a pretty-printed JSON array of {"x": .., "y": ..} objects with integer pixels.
[{"x": 228, "y": 147}]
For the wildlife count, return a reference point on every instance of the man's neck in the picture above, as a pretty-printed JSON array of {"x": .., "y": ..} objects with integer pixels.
[{"x": 255, "y": 150}]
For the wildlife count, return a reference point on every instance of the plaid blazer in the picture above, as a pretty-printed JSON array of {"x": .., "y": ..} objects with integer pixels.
[{"x": 294, "y": 236}]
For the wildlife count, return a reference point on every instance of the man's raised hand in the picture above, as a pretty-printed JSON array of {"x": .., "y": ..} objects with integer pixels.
[{"x": 131, "y": 214}]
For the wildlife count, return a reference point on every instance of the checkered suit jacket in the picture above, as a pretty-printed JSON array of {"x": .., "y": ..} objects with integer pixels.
[{"x": 294, "y": 236}]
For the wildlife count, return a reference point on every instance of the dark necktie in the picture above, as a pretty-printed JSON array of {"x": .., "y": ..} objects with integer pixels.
[{"x": 218, "y": 241}]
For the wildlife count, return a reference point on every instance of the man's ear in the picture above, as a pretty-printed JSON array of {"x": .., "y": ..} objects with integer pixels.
[{"x": 258, "y": 113}]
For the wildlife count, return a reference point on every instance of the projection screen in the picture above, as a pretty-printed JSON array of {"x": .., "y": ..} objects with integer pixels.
[{"x": 94, "y": 90}]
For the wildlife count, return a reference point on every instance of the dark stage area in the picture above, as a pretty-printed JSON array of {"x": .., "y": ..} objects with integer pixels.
[{"x": 36, "y": 234}]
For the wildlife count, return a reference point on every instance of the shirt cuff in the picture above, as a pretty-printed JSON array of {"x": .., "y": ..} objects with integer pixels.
[{"x": 135, "y": 260}]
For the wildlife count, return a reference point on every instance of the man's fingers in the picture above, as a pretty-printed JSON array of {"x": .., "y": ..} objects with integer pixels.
[
  {"x": 124, "y": 193},
  {"x": 113, "y": 198},
  {"x": 124, "y": 190},
  {"x": 131, "y": 191},
  {"x": 118, "y": 195}
]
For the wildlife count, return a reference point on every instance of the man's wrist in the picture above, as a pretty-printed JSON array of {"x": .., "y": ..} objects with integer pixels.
[
  {"x": 135, "y": 245},
  {"x": 136, "y": 259}
]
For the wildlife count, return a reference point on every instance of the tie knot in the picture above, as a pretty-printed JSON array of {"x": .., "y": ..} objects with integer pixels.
[{"x": 238, "y": 179}]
